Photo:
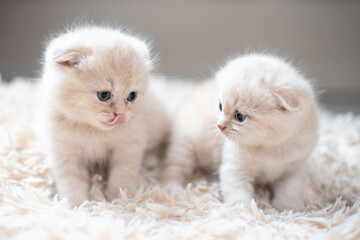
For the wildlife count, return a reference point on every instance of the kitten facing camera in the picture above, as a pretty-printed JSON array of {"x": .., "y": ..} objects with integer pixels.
[
  {"x": 268, "y": 113},
  {"x": 97, "y": 109}
]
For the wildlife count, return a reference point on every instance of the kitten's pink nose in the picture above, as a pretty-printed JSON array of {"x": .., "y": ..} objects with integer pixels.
[{"x": 221, "y": 127}]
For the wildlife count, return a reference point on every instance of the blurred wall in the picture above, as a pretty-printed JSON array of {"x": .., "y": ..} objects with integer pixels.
[{"x": 195, "y": 37}]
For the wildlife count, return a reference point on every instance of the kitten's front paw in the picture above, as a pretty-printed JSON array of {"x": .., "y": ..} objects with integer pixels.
[
  {"x": 172, "y": 180},
  {"x": 282, "y": 204},
  {"x": 176, "y": 189},
  {"x": 76, "y": 200},
  {"x": 243, "y": 199},
  {"x": 111, "y": 194}
]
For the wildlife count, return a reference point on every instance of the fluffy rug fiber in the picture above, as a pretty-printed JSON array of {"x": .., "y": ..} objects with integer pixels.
[{"x": 31, "y": 209}]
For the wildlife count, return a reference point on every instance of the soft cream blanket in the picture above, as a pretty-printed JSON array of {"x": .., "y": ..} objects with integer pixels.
[{"x": 30, "y": 208}]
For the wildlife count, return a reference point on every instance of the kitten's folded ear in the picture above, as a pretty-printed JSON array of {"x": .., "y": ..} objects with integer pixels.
[
  {"x": 287, "y": 99},
  {"x": 69, "y": 57}
]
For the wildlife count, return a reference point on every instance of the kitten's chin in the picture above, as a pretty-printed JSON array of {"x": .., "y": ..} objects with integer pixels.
[
  {"x": 230, "y": 135},
  {"x": 235, "y": 137}
]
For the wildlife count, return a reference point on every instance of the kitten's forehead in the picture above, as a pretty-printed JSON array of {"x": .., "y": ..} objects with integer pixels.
[
  {"x": 247, "y": 79},
  {"x": 243, "y": 96},
  {"x": 114, "y": 69},
  {"x": 99, "y": 58}
]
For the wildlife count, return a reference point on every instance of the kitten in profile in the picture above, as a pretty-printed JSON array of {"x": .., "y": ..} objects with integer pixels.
[
  {"x": 268, "y": 113},
  {"x": 98, "y": 110},
  {"x": 268, "y": 116}
]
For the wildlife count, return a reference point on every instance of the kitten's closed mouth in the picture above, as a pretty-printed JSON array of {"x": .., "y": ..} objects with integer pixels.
[{"x": 119, "y": 119}]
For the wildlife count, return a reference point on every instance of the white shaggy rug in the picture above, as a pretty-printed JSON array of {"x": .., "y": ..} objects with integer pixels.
[{"x": 30, "y": 208}]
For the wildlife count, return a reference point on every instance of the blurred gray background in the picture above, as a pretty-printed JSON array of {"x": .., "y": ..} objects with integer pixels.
[{"x": 193, "y": 38}]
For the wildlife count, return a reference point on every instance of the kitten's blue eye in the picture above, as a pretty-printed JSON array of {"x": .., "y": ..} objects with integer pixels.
[
  {"x": 220, "y": 106},
  {"x": 240, "y": 116},
  {"x": 103, "y": 95},
  {"x": 132, "y": 96}
]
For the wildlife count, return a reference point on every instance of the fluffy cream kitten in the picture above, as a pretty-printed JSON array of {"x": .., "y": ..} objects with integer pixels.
[
  {"x": 268, "y": 113},
  {"x": 98, "y": 110}
]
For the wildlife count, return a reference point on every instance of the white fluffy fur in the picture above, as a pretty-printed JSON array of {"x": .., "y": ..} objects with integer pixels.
[
  {"x": 30, "y": 208},
  {"x": 274, "y": 142},
  {"x": 77, "y": 65}
]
